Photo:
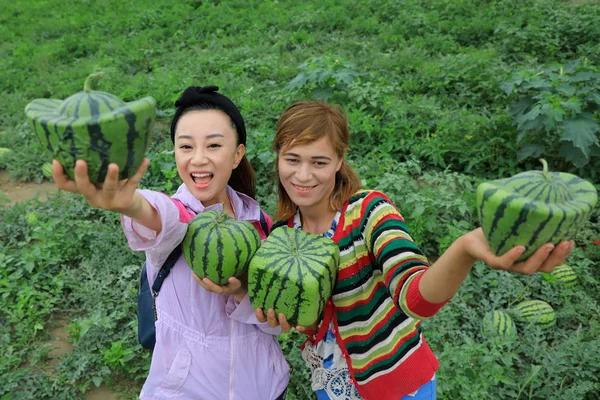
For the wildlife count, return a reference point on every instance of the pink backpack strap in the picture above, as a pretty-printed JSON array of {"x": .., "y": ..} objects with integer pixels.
[
  {"x": 263, "y": 226},
  {"x": 184, "y": 214}
]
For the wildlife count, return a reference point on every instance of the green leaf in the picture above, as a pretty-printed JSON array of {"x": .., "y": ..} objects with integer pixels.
[
  {"x": 584, "y": 77},
  {"x": 322, "y": 93},
  {"x": 571, "y": 66},
  {"x": 419, "y": 210},
  {"x": 593, "y": 97},
  {"x": 581, "y": 132},
  {"x": 573, "y": 154},
  {"x": 573, "y": 104},
  {"x": 566, "y": 89},
  {"x": 534, "y": 125},
  {"x": 345, "y": 76},
  {"x": 529, "y": 116},
  {"x": 520, "y": 107},
  {"x": 29, "y": 266},
  {"x": 530, "y": 150},
  {"x": 554, "y": 115},
  {"x": 537, "y": 82},
  {"x": 298, "y": 82},
  {"x": 509, "y": 84}
]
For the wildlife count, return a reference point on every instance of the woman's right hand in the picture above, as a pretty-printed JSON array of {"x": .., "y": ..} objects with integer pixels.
[
  {"x": 281, "y": 320},
  {"x": 111, "y": 195}
]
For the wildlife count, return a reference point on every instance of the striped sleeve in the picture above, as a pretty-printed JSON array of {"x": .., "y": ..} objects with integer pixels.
[{"x": 401, "y": 261}]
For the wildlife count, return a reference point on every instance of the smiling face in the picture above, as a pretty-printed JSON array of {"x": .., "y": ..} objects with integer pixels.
[
  {"x": 206, "y": 152},
  {"x": 307, "y": 173}
]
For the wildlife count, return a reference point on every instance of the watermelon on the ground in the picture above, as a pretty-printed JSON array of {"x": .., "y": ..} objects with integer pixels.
[
  {"x": 533, "y": 208},
  {"x": 293, "y": 273},
  {"x": 218, "y": 247},
  {"x": 535, "y": 312},
  {"x": 498, "y": 323},
  {"x": 96, "y": 127},
  {"x": 565, "y": 275}
]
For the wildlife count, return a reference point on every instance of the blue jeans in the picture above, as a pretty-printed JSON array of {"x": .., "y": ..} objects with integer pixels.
[{"x": 425, "y": 392}]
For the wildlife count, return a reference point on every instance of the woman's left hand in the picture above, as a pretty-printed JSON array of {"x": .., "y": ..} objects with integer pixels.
[
  {"x": 234, "y": 287},
  {"x": 545, "y": 259}
]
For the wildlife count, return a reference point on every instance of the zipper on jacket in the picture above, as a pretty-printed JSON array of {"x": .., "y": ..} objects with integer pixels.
[{"x": 231, "y": 358}]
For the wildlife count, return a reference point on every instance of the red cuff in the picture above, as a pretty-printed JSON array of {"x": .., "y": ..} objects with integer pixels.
[{"x": 417, "y": 304}]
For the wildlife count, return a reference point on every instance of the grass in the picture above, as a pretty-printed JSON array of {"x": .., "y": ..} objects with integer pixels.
[{"x": 420, "y": 81}]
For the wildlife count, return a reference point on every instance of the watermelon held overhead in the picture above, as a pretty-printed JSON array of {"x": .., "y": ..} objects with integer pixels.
[
  {"x": 219, "y": 247},
  {"x": 535, "y": 312},
  {"x": 96, "y": 127},
  {"x": 533, "y": 208},
  {"x": 293, "y": 273}
]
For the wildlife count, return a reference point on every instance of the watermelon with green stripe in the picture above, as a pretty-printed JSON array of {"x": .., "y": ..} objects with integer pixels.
[
  {"x": 533, "y": 208},
  {"x": 565, "y": 275},
  {"x": 498, "y": 323},
  {"x": 96, "y": 127},
  {"x": 219, "y": 247},
  {"x": 293, "y": 273},
  {"x": 47, "y": 170},
  {"x": 535, "y": 312}
]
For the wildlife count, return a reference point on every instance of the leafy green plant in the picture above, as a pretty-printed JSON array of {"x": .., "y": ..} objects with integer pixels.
[
  {"x": 117, "y": 356},
  {"x": 420, "y": 86},
  {"x": 322, "y": 76},
  {"x": 555, "y": 111}
]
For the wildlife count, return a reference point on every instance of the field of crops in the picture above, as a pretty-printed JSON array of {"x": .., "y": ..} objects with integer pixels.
[{"x": 440, "y": 95}]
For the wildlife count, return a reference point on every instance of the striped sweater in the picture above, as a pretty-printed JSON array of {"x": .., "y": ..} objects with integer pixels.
[{"x": 376, "y": 306}]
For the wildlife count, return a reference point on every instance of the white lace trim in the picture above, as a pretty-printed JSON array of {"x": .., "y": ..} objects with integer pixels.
[{"x": 335, "y": 380}]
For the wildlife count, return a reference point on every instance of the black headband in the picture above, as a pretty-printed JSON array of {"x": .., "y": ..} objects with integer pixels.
[{"x": 198, "y": 95}]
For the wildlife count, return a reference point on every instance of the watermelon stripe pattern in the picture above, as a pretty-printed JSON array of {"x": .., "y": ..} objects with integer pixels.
[
  {"x": 565, "y": 275},
  {"x": 533, "y": 208},
  {"x": 94, "y": 126},
  {"x": 498, "y": 323},
  {"x": 535, "y": 312},
  {"x": 47, "y": 170},
  {"x": 293, "y": 272},
  {"x": 219, "y": 247}
]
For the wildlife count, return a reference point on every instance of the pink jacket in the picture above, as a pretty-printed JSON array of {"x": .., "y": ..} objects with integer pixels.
[{"x": 207, "y": 345}]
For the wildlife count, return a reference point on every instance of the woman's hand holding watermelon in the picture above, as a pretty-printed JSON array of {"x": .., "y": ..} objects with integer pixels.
[
  {"x": 443, "y": 278},
  {"x": 234, "y": 287},
  {"x": 281, "y": 320},
  {"x": 112, "y": 195},
  {"x": 545, "y": 259}
]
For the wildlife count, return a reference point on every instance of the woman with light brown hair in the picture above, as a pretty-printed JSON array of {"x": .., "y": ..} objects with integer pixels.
[{"x": 368, "y": 343}]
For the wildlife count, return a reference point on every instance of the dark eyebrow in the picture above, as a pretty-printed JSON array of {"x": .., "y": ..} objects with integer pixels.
[
  {"x": 211, "y": 136},
  {"x": 290, "y": 154}
]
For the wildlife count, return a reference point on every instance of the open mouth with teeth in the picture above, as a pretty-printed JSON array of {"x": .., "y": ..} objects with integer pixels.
[
  {"x": 303, "y": 189},
  {"x": 202, "y": 180}
]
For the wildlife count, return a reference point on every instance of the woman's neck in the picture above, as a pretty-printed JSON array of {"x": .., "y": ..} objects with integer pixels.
[
  {"x": 316, "y": 221},
  {"x": 226, "y": 201}
]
